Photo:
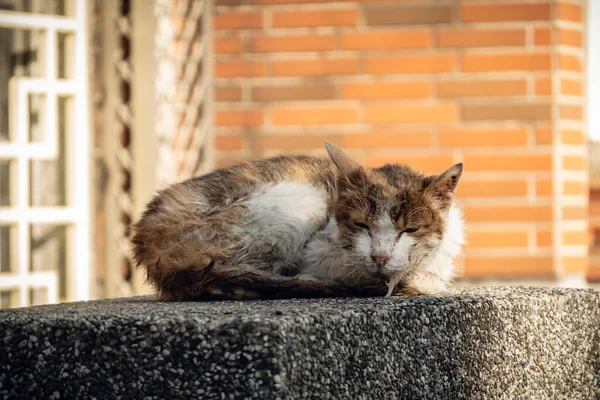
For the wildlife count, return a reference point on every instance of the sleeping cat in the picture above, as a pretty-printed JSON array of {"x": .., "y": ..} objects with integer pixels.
[{"x": 297, "y": 226}]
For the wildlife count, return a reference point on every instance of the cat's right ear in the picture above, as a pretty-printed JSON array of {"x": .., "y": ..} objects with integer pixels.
[
  {"x": 343, "y": 161},
  {"x": 443, "y": 186}
]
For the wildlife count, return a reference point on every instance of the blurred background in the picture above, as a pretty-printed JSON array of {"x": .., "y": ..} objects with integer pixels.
[{"x": 104, "y": 102}]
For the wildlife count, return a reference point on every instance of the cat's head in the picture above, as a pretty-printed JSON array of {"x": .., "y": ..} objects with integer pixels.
[{"x": 392, "y": 217}]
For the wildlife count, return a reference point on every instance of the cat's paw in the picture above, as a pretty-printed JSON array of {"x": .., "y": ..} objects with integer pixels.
[{"x": 425, "y": 283}]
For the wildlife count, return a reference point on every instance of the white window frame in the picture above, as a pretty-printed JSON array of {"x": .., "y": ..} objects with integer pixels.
[{"x": 76, "y": 215}]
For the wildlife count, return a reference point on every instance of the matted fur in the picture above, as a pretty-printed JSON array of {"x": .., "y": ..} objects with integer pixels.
[{"x": 297, "y": 226}]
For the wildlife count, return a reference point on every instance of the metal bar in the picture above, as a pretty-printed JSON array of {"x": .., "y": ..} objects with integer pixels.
[
  {"x": 38, "y": 215},
  {"x": 45, "y": 85},
  {"x": 34, "y": 279},
  {"x": 24, "y": 20},
  {"x": 81, "y": 270},
  {"x": 19, "y": 117},
  {"x": 40, "y": 151}
]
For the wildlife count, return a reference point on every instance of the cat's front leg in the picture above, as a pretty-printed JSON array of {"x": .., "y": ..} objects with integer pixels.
[{"x": 423, "y": 283}]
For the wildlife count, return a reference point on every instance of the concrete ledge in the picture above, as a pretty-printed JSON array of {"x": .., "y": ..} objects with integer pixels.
[{"x": 513, "y": 343}]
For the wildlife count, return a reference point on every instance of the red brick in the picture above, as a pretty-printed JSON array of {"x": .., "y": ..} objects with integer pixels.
[
  {"x": 407, "y": 15},
  {"x": 480, "y": 37},
  {"x": 575, "y": 212},
  {"x": 228, "y": 45},
  {"x": 572, "y": 112},
  {"x": 570, "y": 62},
  {"x": 575, "y": 265},
  {"x": 542, "y": 37},
  {"x": 543, "y": 86},
  {"x": 576, "y": 163},
  {"x": 320, "y": 67},
  {"x": 480, "y": 137},
  {"x": 524, "y": 213},
  {"x": 544, "y": 238},
  {"x": 386, "y": 39},
  {"x": 229, "y": 142},
  {"x": 570, "y": 37},
  {"x": 508, "y": 162},
  {"x": 280, "y": 92},
  {"x": 575, "y": 188},
  {"x": 292, "y": 43},
  {"x": 250, "y": 117},
  {"x": 238, "y": 20},
  {"x": 475, "y": 62},
  {"x": 543, "y": 135},
  {"x": 314, "y": 116},
  {"x": 300, "y": 19},
  {"x": 495, "y": 239},
  {"x": 294, "y": 143},
  {"x": 506, "y": 111},
  {"x": 488, "y": 12},
  {"x": 492, "y": 188},
  {"x": 544, "y": 187},
  {"x": 482, "y": 88},
  {"x": 509, "y": 266},
  {"x": 376, "y": 140},
  {"x": 388, "y": 113},
  {"x": 573, "y": 136},
  {"x": 574, "y": 238},
  {"x": 228, "y": 93},
  {"x": 239, "y": 68},
  {"x": 410, "y": 64},
  {"x": 386, "y": 90},
  {"x": 571, "y": 87},
  {"x": 569, "y": 12}
]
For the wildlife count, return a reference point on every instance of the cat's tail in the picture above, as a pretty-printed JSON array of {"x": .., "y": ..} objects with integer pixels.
[{"x": 214, "y": 282}]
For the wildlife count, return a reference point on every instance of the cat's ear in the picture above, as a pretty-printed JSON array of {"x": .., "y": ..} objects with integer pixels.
[
  {"x": 443, "y": 186},
  {"x": 342, "y": 160}
]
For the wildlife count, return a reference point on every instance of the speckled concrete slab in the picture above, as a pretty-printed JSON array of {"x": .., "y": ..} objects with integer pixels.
[{"x": 497, "y": 343}]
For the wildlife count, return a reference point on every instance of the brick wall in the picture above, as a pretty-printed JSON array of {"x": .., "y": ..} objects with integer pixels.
[{"x": 497, "y": 85}]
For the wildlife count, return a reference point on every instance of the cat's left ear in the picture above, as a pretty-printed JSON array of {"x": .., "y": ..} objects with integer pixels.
[
  {"x": 444, "y": 185},
  {"x": 343, "y": 161}
]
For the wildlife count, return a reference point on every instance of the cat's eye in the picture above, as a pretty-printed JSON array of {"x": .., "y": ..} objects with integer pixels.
[
  {"x": 411, "y": 230},
  {"x": 361, "y": 225}
]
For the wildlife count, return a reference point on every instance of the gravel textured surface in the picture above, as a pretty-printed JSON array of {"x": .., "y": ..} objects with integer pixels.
[{"x": 495, "y": 343}]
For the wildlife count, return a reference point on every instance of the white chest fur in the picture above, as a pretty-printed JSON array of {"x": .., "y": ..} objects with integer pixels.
[
  {"x": 288, "y": 202},
  {"x": 437, "y": 271},
  {"x": 280, "y": 220}
]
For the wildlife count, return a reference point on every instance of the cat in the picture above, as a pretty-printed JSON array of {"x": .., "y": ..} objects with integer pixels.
[{"x": 299, "y": 226}]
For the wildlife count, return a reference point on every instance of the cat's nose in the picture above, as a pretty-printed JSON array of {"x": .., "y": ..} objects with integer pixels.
[{"x": 380, "y": 260}]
